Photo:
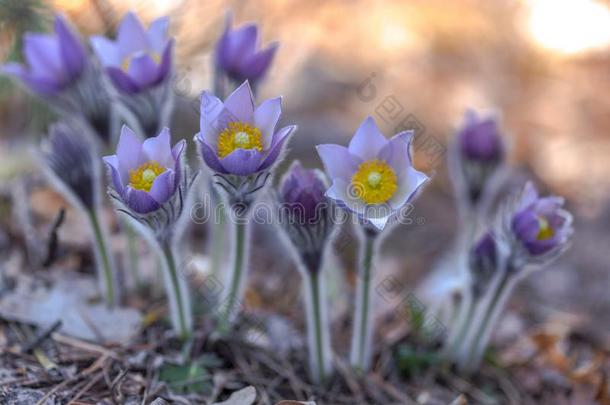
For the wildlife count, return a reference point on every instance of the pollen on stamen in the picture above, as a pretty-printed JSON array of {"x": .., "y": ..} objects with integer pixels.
[
  {"x": 375, "y": 181},
  {"x": 239, "y": 135},
  {"x": 129, "y": 58},
  {"x": 144, "y": 176},
  {"x": 545, "y": 231}
]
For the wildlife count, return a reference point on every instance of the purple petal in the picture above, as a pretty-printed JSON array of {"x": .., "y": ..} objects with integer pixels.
[
  {"x": 266, "y": 117},
  {"x": 338, "y": 161},
  {"x": 209, "y": 111},
  {"x": 129, "y": 153},
  {"x": 163, "y": 187},
  {"x": 397, "y": 153},
  {"x": 112, "y": 163},
  {"x": 157, "y": 34},
  {"x": 234, "y": 45},
  {"x": 43, "y": 56},
  {"x": 131, "y": 37},
  {"x": 179, "y": 160},
  {"x": 258, "y": 64},
  {"x": 139, "y": 201},
  {"x": 240, "y": 104},
  {"x": 121, "y": 80},
  {"x": 528, "y": 196},
  {"x": 277, "y": 146},
  {"x": 159, "y": 149},
  {"x": 143, "y": 70},
  {"x": 367, "y": 141},
  {"x": 242, "y": 162},
  {"x": 178, "y": 149},
  {"x": 166, "y": 62},
  {"x": 72, "y": 50},
  {"x": 106, "y": 50},
  {"x": 408, "y": 187},
  {"x": 208, "y": 155},
  {"x": 40, "y": 85}
]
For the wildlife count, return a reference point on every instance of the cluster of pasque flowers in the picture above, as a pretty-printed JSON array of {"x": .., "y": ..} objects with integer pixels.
[
  {"x": 525, "y": 233},
  {"x": 240, "y": 145}
]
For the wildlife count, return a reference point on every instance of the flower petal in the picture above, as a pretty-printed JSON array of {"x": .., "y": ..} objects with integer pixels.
[
  {"x": 157, "y": 34},
  {"x": 163, "y": 187},
  {"x": 112, "y": 163},
  {"x": 210, "y": 110},
  {"x": 208, "y": 155},
  {"x": 121, "y": 80},
  {"x": 367, "y": 141},
  {"x": 165, "y": 66},
  {"x": 40, "y": 85},
  {"x": 131, "y": 37},
  {"x": 43, "y": 56},
  {"x": 242, "y": 162},
  {"x": 408, "y": 187},
  {"x": 159, "y": 149},
  {"x": 255, "y": 67},
  {"x": 129, "y": 153},
  {"x": 277, "y": 146},
  {"x": 240, "y": 104},
  {"x": 397, "y": 153},
  {"x": 139, "y": 201},
  {"x": 106, "y": 50},
  {"x": 143, "y": 70},
  {"x": 72, "y": 51},
  {"x": 266, "y": 117},
  {"x": 338, "y": 161}
]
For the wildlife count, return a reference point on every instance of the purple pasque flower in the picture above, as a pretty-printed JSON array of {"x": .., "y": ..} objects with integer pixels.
[
  {"x": 305, "y": 214},
  {"x": 478, "y": 152},
  {"x": 484, "y": 262},
  {"x": 238, "y": 139},
  {"x": 238, "y": 56},
  {"x": 147, "y": 175},
  {"x": 373, "y": 177},
  {"x": 139, "y": 59},
  {"x": 54, "y": 61},
  {"x": 480, "y": 139},
  {"x": 302, "y": 193},
  {"x": 540, "y": 225}
]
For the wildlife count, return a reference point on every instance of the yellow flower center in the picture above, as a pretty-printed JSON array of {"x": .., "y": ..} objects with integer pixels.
[
  {"x": 127, "y": 60},
  {"x": 143, "y": 177},
  {"x": 374, "y": 182},
  {"x": 545, "y": 231},
  {"x": 239, "y": 135}
]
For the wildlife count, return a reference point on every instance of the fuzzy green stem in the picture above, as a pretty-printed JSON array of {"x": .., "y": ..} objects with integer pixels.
[
  {"x": 239, "y": 259},
  {"x": 360, "y": 344},
  {"x": 177, "y": 293},
  {"x": 103, "y": 255},
  {"x": 317, "y": 325},
  {"x": 472, "y": 360},
  {"x": 132, "y": 254},
  {"x": 465, "y": 321},
  {"x": 218, "y": 232}
]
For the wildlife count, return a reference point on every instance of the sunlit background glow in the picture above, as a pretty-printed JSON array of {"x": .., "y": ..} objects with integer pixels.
[{"x": 570, "y": 26}]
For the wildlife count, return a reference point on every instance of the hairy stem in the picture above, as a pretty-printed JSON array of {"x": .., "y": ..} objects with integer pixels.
[
  {"x": 476, "y": 350},
  {"x": 360, "y": 352},
  {"x": 177, "y": 293},
  {"x": 318, "y": 344},
  {"x": 105, "y": 263},
  {"x": 228, "y": 309}
]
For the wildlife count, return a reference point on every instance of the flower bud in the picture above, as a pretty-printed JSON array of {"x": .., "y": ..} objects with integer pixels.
[{"x": 69, "y": 156}]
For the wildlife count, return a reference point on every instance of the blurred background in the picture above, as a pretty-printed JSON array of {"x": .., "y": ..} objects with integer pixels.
[{"x": 544, "y": 65}]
